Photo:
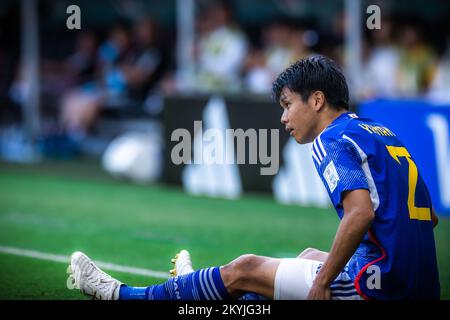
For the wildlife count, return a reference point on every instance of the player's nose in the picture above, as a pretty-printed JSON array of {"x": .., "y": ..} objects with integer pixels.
[{"x": 284, "y": 118}]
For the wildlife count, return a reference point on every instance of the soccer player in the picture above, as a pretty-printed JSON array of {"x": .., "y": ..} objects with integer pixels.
[{"x": 384, "y": 246}]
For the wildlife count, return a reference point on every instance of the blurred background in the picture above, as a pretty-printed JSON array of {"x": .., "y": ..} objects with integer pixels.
[{"x": 88, "y": 108}]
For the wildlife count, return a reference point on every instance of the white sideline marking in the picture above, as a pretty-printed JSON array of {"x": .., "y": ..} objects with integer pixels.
[{"x": 66, "y": 260}]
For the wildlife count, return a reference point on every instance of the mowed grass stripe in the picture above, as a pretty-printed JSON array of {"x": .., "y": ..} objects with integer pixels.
[
  {"x": 66, "y": 259},
  {"x": 25, "y": 278}
]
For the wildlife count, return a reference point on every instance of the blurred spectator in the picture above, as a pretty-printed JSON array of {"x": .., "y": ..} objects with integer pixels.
[
  {"x": 144, "y": 68},
  {"x": 81, "y": 106},
  {"x": 221, "y": 50},
  {"x": 300, "y": 41},
  {"x": 76, "y": 69},
  {"x": 58, "y": 76},
  {"x": 257, "y": 75},
  {"x": 417, "y": 63},
  {"x": 440, "y": 86},
  {"x": 278, "y": 50},
  {"x": 283, "y": 45},
  {"x": 128, "y": 65},
  {"x": 381, "y": 67},
  {"x": 335, "y": 39},
  {"x": 127, "y": 72}
]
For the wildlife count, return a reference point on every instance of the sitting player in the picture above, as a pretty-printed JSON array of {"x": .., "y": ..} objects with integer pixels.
[{"x": 384, "y": 246}]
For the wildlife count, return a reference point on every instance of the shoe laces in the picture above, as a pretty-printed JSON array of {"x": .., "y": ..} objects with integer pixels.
[{"x": 99, "y": 282}]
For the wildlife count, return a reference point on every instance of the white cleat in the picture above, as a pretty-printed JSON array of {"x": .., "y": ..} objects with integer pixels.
[
  {"x": 90, "y": 280},
  {"x": 183, "y": 264}
]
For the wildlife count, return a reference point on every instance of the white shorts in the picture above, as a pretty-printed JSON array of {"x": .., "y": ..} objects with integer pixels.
[{"x": 295, "y": 276}]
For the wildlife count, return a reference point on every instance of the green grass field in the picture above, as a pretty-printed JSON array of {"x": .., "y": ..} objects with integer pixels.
[{"x": 59, "y": 208}]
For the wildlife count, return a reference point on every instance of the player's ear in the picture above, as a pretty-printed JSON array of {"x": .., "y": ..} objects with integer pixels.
[{"x": 318, "y": 100}]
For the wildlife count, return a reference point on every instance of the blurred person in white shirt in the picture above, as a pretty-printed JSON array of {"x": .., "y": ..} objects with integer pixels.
[
  {"x": 221, "y": 50},
  {"x": 380, "y": 74},
  {"x": 440, "y": 86}
]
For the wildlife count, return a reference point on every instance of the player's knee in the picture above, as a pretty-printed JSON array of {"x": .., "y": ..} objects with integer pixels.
[
  {"x": 313, "y": 254},
  {"x": 244, "y": 263},
  {"x": 305, "y": 253},
  {"x": 240, "y": 269},
  {"x": 247, "y": 263}
]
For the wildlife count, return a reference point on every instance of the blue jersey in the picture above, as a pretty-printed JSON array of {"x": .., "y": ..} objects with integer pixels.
[{"x": 358, "y": 153}]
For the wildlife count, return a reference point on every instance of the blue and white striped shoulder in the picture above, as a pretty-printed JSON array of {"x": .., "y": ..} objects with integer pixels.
[{"x": 318, "y": 151}]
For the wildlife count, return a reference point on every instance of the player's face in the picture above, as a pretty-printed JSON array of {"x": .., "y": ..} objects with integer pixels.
[{"x": 299, "y": 117}]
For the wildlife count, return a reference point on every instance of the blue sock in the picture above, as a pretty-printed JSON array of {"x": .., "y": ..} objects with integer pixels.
[
  {"x": 252, "y": 296},
  {"x": 133, "y": 293},
  {"x": 204, "y": 284}
]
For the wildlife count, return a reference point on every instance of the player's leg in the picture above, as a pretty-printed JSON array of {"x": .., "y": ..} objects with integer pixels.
[
  {"x": 266, "y": 277},
  {"x": 284, "y": 279},
  {"x": 183, "y": 265},
  {"x": 204, "y": 284},
  {"x": 279, "y": 279},
  {"x": 269, "y": 277},
  {"x": 248, "y": 273},
  {"x": 183, "y": 262},
  {"x": 263, "y": 277},
  {"x": 313, "y": 254}
]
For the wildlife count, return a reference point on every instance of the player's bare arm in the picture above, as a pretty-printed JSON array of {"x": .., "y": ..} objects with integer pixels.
[{"x": 358, "y": 216}]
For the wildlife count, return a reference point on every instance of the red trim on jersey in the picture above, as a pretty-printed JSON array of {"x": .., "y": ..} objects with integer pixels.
[{"x": 358, "y": 277}]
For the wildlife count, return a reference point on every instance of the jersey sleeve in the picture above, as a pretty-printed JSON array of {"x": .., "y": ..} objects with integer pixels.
[{"x": 341, "y": 169}]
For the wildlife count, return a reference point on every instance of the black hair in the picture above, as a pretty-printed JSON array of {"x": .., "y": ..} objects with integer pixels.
[{"x": 314, "y": 73}]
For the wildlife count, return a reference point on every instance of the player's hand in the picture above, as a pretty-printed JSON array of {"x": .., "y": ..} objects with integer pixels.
[{"x": 318, "y": 292}]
